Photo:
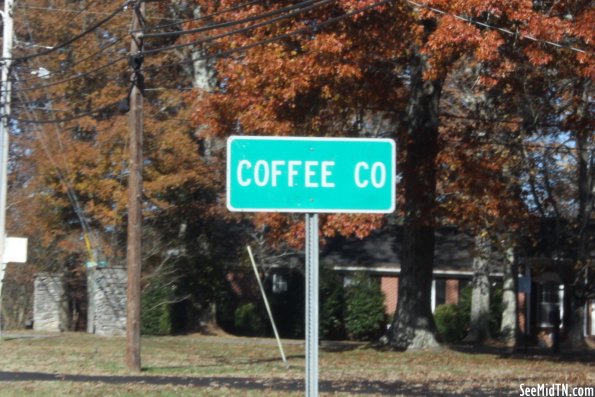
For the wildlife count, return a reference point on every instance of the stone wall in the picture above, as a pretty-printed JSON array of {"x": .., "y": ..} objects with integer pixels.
[
  {"x": 50, "y": 306},
  {"x": 107, "y": 301}
]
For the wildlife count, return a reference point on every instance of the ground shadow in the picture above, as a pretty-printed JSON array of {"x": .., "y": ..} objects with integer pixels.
[
  {"x": 223, "y": 361},
  {"x": 530, "y": 353},
  {"x": 270, "y": 384},
  {"x": 332, "y": 346}
]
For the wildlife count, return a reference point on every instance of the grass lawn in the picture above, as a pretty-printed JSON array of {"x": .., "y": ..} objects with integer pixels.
[{"x": 355, "y": 367}]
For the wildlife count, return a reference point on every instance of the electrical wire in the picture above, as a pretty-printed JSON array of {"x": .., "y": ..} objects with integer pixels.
[
  {"x": 77, "y": 76},
  {"x": 270, "y": 40},
  {"x": 313, "y": 4},
  {"x": 79, "y": 62},
  {"x": 235, "y": 31},
  {"x": 75, "y": 38},
  {"x": 201, "y": 18},
  {"x": 500, "y": 29},
  {"x": 253, "y": 18},
  {"x": 86, "y": 74},
  {"x": 76, "y": 15},
  {"x": 64, "y": 10},
  {"x": 47, "y": 100},
  {"x": 53, "y": 113},
  {"x": 515, "y": 145},
  {"x": 494, "y": 121},
  {"x": 211, "y": 38},
  {"x": 112, "y": 105},
  {"x": 70, "y": 193}
]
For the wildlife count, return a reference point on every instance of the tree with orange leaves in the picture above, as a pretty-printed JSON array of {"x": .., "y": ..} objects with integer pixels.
[{"x": 382, "y": 71}]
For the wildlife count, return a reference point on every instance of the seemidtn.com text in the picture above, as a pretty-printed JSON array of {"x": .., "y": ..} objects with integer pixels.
[{"x": 556, "y": 390}]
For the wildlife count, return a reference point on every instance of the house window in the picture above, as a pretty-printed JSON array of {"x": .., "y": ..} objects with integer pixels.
[
  {"x": 279, "y": 283},
  {"x": 550, "y": 297}
]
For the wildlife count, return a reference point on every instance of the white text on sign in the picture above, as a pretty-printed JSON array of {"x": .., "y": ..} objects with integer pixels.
[{"x": 310, "y": 174}]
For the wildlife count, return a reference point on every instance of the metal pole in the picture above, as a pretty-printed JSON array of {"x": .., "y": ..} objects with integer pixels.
[
  {"x": 5, "y": 86},
  {"x": 266, "y": 304},
  {"x": 312, "y": 305},
  {"x": 135, "y": 188}
]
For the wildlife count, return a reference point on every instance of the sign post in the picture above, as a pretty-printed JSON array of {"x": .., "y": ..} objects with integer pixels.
[
  {"x": 312, "y": 317},
  {"x": 311, "y": 176}
]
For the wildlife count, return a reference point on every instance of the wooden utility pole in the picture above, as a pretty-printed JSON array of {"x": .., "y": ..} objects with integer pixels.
[{"x": 135, "y": 192}]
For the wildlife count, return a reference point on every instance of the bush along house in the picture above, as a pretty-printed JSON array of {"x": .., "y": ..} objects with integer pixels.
[
  {"x": 543, "y": 286},
  {"x": 378, "y": 256}
]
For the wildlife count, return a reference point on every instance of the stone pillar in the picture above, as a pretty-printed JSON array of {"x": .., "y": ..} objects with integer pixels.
[
  {"x": 50, "y": 307},
  {"x": 107, "y": 301}
]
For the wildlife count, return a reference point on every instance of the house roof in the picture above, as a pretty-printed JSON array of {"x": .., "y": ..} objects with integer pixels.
[{"x": 380, "y": 252}]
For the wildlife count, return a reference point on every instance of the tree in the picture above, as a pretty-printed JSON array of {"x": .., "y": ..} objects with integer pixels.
[
  {"x": 70, "y": 106},
  {"x": 479, "y": 327},
  {"x": 335, "y": 80},
  {"x": 346, "y": 68}
]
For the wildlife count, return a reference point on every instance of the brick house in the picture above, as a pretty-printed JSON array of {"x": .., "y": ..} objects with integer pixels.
[
  {"x": 543, "y": 285},
  {"x": 378, "y": 256}
]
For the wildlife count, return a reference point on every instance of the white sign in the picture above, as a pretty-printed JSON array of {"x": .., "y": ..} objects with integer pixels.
[{"x": 15, "y": 250}]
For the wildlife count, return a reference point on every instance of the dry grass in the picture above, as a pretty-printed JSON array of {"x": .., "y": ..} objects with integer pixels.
[{"x": 447, "y": 371}]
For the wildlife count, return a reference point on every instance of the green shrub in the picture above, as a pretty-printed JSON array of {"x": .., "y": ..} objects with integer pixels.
[
  {"x": 332, "y": 305},
  {"x": 451, "y": 322},
  {"x": 248, "y": 320},
  {"x": 155, "y": 311},
  {"x": 365, "y": 318}
]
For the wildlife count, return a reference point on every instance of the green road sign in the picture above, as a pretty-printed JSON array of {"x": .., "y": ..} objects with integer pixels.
[{"x": 290, "y": 174}]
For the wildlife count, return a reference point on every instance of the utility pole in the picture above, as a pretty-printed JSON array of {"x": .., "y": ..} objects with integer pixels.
[
  {"x": 135, "y": 191},
  {"x": 7, "y": 38}
]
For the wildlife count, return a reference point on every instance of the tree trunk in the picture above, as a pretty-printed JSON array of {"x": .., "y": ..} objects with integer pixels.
[
  {"x": 479, "y": 325},
  {"x": 508, "y": 325},
  {"x": 413, "y": 326},
  {"x": 586, "y": 201}
]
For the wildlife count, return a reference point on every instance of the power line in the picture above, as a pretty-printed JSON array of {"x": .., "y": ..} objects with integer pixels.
[
  {"x": 77, "y": 76},
  {"x": 76, "y": 37},
  {"x": 48, "y": 73},
  {"x": 45, "y": 101},
  {"x": 73, "y": 11},
  {"x": 313, "y": 4},
  {"x": 70, "y": 193},
  {"x": 236, "y": 31},
  {"x": 307, "y": 4},
  {"x": 77, "y": 13},
  {"x": 81, "y": 75},
  {"x": 513, "y": 145},
  {"x": 64, "y": 10},
  {"x": 201, "y": 18},
  {"x": 212, "y": 56},
  {"x": 500, "y": 29},
  {"x": 496, "y": 121},
  {"x": 36, "y": 60},
  {"x": 110, "y": 106},
  {"x": 270, "y": 40},
  {"x": 79, "y": 62}
]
